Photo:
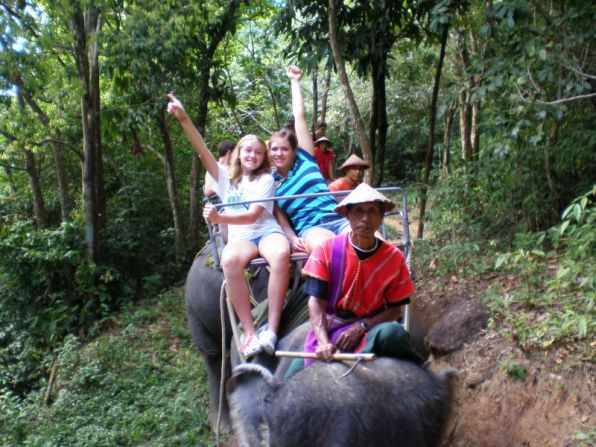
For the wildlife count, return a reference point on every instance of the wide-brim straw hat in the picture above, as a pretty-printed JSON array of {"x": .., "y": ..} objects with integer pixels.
[
  {"x": 323, "y": 140},
  {"x": 354, "y": 161},
  {"x": 363, "y": 193}
]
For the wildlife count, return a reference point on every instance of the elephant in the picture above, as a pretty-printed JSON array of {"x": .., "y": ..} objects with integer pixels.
[
  {"x": 385, "y": 402},
  {"x": 202, "y": 291}
]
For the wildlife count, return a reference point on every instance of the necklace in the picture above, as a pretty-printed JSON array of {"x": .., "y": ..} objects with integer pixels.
[{"x": 370, "y": 250}]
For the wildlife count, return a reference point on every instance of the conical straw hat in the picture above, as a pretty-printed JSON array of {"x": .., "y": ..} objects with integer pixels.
[
  {"x": 354, "y": 161},
  {"x": 363, "y": 194}
]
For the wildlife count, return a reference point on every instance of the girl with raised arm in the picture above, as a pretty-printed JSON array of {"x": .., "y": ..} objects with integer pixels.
[
  {"x": 252, "y": 230},
  {"x": 311, "y": 220}
]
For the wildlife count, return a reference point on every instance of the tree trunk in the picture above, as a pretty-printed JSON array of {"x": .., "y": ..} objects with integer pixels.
[
  {"x": 55, "y": 141},
  {"x": 431, "y": 134},
  {"x": 39, "y": 209},
  {"x": 374, "y": 122},
  {"x": 378, "y": 122},
  {"x": 86, "y": 27},
  {"x": 474, "y": 131},
  {"x": 549, "y": 158},
  {"x": 476, "y": 81},
  {"x": 379, "y": 154},
  {"x": 325, "y": 95},
  {"x": 273, "y": 101},
  {"x": 315, "y": 100},
  {"x": 343, "y": 77},
  {"x": 168, "y": 160},
  {"x": 445, "y": 159},
  {"x": 465, "y": 83}
]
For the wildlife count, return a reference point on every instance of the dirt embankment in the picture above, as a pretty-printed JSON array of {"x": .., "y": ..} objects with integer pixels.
[{"x": 505, "y": 396}]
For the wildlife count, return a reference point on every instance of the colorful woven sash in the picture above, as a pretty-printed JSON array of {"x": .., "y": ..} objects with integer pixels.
[{"x": 335, "y": 325}]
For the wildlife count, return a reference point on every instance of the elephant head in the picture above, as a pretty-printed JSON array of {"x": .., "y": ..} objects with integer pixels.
[{"x": 385, "y": 402}]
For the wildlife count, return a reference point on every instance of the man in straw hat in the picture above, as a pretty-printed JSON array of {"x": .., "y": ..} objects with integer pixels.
[
  {"x": 358, "y": 284},
  {"x": 325, "y": 158},
  {"x": 353, "y": 170}
]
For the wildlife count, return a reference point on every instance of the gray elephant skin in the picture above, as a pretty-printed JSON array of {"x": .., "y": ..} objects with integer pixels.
[
  {"x": 386, "y": 402},
  {"x": 202, "y": 291}
]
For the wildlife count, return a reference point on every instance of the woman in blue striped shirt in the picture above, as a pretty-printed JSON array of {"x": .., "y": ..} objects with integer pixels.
[{"x": 311, "y": 220}]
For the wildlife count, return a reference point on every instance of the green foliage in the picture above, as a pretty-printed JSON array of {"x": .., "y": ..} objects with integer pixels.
[
  {"x": 513, "y": 369},
  {"x": 536, "y": 138},
  {"x": 585, "y": 438},
  {"x": 556, "y": 299},
  {"x": 140, "y": 385},
  {"x": 48, "y": 290}
]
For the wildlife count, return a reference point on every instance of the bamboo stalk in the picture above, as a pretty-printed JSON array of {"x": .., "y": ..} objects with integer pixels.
[
  {"x": 48, "y": 396},
  {"x": 336, "y": 356}
]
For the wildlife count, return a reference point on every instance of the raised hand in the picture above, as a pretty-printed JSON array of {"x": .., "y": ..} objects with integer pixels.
[
  {"x": 175, "y": 108},
  {"x": 294, "y": 73}
]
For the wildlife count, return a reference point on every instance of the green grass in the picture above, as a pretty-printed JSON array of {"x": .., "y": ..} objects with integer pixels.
[{"x": 141, "y": 383}]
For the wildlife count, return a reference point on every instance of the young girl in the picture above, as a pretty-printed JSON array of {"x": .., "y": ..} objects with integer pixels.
[{"x": 252, "y": 228}]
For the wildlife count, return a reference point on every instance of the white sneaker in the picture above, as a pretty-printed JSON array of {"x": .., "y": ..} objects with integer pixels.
[
  {"x": 250, "y": 347},
  {"x": 268, "y": 341}
]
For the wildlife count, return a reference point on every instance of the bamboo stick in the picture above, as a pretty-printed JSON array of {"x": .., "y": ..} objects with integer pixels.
[{"x": 336, "y": 356}]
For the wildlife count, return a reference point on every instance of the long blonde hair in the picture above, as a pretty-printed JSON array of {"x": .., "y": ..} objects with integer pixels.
[{"x": 235, "y": 168}]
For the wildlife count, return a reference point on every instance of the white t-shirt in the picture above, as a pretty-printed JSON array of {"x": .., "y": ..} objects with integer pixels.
[
  {"x": 209, "y": 182},
  {"x": 260, "y": 188}
]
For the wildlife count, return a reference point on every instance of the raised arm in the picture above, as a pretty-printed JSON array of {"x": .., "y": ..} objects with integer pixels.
[
  {"x": 302, "y": 132},
  {"x": 193, "y": 135}
]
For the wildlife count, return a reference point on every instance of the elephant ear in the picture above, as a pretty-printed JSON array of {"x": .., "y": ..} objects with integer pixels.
[{"x": 248, "y": 390}]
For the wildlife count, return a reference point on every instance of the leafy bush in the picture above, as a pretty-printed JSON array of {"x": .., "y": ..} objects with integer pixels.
[
  {"x": 48, "y": 291},
  {"x": 513, "y": 369},
  {"x": 557, "y": 300},
  {"x": 141, "y": 385}
]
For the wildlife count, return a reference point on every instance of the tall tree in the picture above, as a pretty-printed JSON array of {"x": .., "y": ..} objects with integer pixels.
[
  {"x": 55, "y": 139},
  {"x": 431, "y": 130},
  {"x": 85, "y": 21},
  {"x": 214, "y": 28},
  {"x": 24, "y": 68},
  {"x": 366, "y": 32},
  {"x": 138, "y": 111},
  {"x": 343, "y": 77},
  {"x": 168, "y": 162}
]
